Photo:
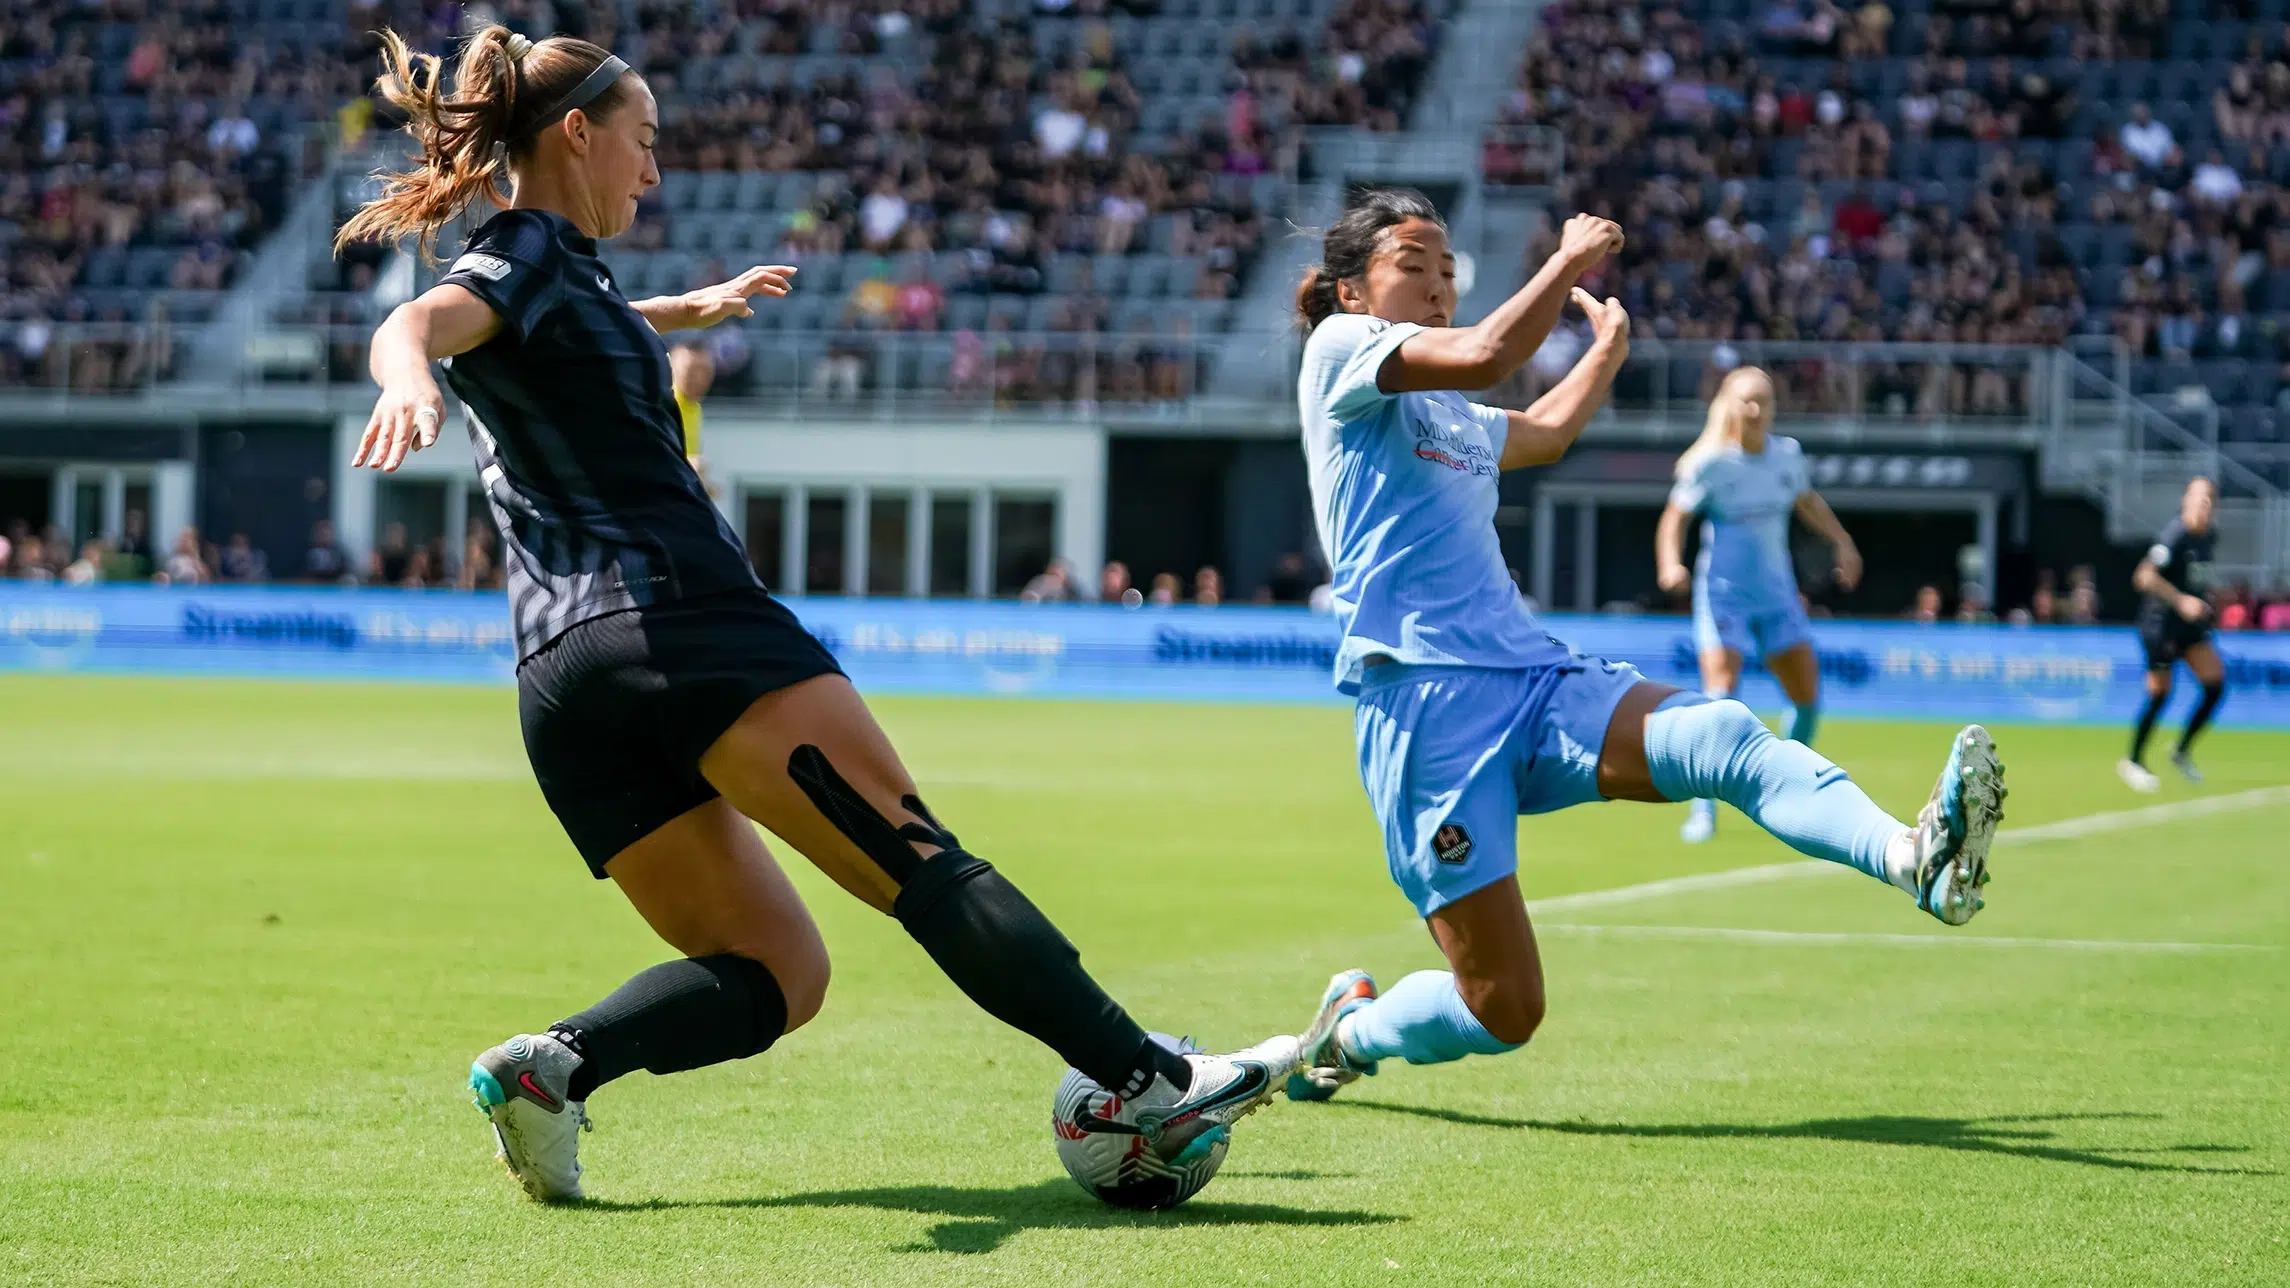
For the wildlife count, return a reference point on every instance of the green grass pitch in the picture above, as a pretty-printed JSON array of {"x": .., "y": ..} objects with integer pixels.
[{"x": 251, "y": 935}]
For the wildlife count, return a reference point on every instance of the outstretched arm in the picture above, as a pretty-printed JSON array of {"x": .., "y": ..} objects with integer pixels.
[
  {"x": 709, "y": 305},
  {"x": 1543, "y": 433},
  {"x": 1474, "y": 357},
  {"x": 1670, "y": 549},
  {"x": 442, "y": 321},
  {"x": 1821, "y": 519}
]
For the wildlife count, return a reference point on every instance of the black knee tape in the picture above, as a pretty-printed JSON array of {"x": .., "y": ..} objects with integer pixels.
[{"x": 891, "y": 847}]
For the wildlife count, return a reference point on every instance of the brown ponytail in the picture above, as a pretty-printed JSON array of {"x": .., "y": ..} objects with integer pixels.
[
  {"x": 1316, "y": 297},
  {"x": 505, "y": 89},
  {"x": 1345, "y": 251}
]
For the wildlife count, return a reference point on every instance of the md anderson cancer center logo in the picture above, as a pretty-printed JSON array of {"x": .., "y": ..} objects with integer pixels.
[{"x": 1446, "y": 444}]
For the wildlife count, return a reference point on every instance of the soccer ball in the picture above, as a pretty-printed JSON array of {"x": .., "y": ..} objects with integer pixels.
[{"x": 1099, "y": 1144}]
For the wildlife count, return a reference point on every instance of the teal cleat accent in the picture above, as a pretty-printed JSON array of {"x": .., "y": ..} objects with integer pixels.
[
  {"x": 486, "y": 1089},
  {"x": 1201, "y": 1146}
]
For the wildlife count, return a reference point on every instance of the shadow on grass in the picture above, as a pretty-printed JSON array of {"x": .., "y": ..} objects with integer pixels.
[
  {"x": 984, "y": 1218},
  {"x": 2017, "y": 1135}
]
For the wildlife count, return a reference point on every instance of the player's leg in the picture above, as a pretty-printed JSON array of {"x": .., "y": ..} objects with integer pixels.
[
  {"x": 1664, "y": 745},
  {"x": 1437, "y": 748},
  {"x": 1489, "y": 1001},
  {"x": 2210, "y": 672},
  {"x": 1786, "y": 644},
  {"x": 754, "y": 968},
  {"x": 1719, "y": 640},
  {"x": 595, "y": 711},
  {"x": 2161, "y": 659},
  {"x": 810, "y": 763}
]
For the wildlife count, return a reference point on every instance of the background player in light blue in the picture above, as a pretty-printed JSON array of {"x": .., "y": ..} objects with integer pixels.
[
  {"x": 1745, "y": 482},
  {"x": 1469, "y": 714}
]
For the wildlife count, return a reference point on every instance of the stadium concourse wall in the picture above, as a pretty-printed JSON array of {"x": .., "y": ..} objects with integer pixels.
[{"x": 2004, "y": 673}]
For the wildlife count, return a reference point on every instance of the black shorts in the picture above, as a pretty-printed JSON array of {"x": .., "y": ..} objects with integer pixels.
[
  {"x": 2168, "y": 637},
  {"x": 618, "y": 710}
]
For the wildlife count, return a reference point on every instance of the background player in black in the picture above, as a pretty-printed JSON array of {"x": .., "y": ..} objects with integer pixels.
[
  {"x": 666, "y": 698},
  {"x": 2175, "y": 626}
]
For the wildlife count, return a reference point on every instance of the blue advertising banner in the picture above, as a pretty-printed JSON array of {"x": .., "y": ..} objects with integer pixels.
[{"x": 964, "y": 647}]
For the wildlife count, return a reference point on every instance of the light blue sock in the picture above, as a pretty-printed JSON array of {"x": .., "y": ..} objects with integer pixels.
[
  {"x": 1422, "y": 1020},
  {"x": 1721, "y": 749},
  {"x": 1803, "y": 721}
]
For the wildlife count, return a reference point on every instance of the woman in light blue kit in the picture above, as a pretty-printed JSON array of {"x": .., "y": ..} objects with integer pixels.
[
  {"x": 1469, "y": 714},
  {"x": 1745, "y": 482}
]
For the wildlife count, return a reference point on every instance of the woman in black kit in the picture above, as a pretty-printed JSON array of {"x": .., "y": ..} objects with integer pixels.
[
  {"x": 666, "y": 699},
  {"x": 2174, "y": 582}
]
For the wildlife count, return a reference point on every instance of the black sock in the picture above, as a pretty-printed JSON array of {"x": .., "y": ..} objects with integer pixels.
[
  {"x": 999, "y": 949},
  {"x": 2211, "y": 695},
  {"x": 678, "y": 1015},
  {"x": 2147, "y": 718}
]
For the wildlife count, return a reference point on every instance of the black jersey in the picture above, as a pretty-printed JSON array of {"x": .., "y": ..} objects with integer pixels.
[
  {"x": 578, "y": 440},
  {"x": 2184, "y": 560}
]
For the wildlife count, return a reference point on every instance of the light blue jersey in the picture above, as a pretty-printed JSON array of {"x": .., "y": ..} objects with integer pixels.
[
  {"x": 1745, "y": 502},
  {"x": 1745, "y": 583},
  {"x": 1404, "y": 488},
  {"x": 1481, "y": 716}
]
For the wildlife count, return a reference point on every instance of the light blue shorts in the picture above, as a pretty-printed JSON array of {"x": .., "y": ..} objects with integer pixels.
[
  {"x": 1452, "y": 756},
  {"x": 1751, "y": 627}
]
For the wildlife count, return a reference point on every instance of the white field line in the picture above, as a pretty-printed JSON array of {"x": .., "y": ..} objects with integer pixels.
[
  {"x": 1758, "y": 875},
  {"x": 2150, "y": 816},
  {"x": 2064, "y": 829},
  {"x": 1805, "y": 938}
]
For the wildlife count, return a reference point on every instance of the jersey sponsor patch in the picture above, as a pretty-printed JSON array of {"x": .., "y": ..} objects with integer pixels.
[
  {"x": 1451, "y": 843},
  {"x": 489, "y": 267}
]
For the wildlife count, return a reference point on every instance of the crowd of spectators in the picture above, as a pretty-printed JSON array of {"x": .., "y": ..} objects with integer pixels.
[
  {"x": 1816, "y": 172},
  {"x": 1005, "y": 171},
  {"x": 992, "y": 151},
  {"x": 1365, "y": 70},
  {"x": 145, "y": 148},
  {"x": 1293, "y": 580},
  {"x": 2076, "y": 602},
  {"x": 47, "y": 555}
]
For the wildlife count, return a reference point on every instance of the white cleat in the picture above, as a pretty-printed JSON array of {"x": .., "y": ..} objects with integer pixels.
[
  {"x": 521, "y": 1085},
  {"x": 1956, "y": 827},
  {"x": 2137, "y": 777},
  {"x": 1226, "y": 1089},
  {"x": 1701, "y": 823},
  {"x": 2185, "y": 764}
]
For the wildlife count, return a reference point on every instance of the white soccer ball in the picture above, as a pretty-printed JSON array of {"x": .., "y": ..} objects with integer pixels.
[{"x": 1098, "y": 1141}]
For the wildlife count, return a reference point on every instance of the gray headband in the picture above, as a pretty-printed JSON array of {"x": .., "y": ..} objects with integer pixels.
[{"x": 582, "y": 94}]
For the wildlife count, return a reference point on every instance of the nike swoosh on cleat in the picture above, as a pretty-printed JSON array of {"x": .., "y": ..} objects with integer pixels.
[
  {"x": 1254, "y": 1079},
  {"x": 549, "y": 1102}
]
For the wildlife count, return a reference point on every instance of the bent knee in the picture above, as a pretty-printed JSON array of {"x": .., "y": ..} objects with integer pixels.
[
  {"x": 801, "y": 972},
  {"x": 1732, "y": 719},
  {"x": 1509, "y": 1007}
]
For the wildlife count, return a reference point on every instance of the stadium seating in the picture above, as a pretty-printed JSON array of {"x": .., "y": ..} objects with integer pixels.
[
  {"x": 1943, "y": 170},
  {"x": 145, "y": 149}
]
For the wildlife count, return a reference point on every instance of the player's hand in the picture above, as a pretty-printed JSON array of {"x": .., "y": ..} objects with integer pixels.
[
  {"x": 712, "y": 304},
  {"x": 2193, "y": 607},
  {"x": 1848, "y": 567},
  {"x": 406, "y": 419},
  {"x": 1609, "y": 322},
  {"x": 1672, "y": 579},
  {"x": 1587, "y": 239}
]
